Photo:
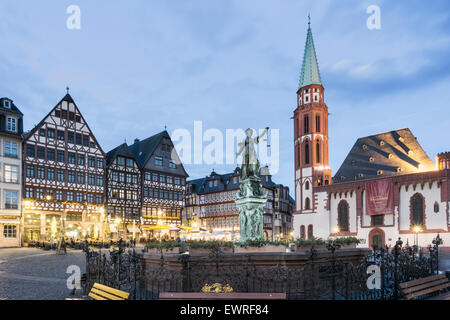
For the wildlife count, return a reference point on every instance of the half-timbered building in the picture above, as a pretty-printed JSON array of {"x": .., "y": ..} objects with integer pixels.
[
  {"x": 63, "y": 176},
  {"x": 123, "y": 192},
  {"x": 11, "y": 129}
]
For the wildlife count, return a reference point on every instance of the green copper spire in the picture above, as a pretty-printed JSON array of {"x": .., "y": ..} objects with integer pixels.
[{"x": 310, "y": 68}]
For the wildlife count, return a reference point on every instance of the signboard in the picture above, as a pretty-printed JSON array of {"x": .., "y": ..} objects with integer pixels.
[{"x": 379, "y": 197}]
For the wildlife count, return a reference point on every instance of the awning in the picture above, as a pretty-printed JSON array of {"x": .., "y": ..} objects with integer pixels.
[
  {"x": 133, "y": 228},
  {"x": 156, "y": 227},
  {"x": 9, "y": 221},
  {"x": 113, "y": 228},
  {"x": 186, "y": 228}
]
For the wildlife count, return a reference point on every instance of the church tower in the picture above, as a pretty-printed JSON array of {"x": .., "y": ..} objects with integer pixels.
[{"x": 310, "y": 132}]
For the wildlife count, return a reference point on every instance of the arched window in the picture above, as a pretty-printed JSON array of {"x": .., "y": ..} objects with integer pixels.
[
  {"x": 307, "y": 185},
  {"x": 306, "y": 124},
  {"x": 307, "y": 204},
  {"x": 310, "y": 232},
  {"x": 436, "y": 207},
  {"x": 299, "y": 159},
  {"x": 343, "y": 218},
  {"x": 307, "y": 153},
  {"x": 417, "y": 210},
  {"x": 302, "y": 232},
  {"x": 318, "y": 152},
  {"x": 318, "y": 123}
]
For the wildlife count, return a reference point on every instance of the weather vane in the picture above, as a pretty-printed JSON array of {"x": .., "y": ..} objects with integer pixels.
[
  {"x": 309, "y": 18},
  {"x": 67, "y": 88}
]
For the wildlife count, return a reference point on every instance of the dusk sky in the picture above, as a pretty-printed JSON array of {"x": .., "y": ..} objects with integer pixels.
[{"x": 136, "y": 66}]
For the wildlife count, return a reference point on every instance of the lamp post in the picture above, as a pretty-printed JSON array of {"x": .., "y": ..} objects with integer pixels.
[{"x": 416, "y": 229}]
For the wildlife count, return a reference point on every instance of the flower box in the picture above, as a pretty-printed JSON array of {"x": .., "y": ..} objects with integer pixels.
[
  {"x": 267, "y": 248},
  {"x": 207, "y": 251}
]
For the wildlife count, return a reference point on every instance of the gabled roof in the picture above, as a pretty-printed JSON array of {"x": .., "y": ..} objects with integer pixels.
[
  {"x": 310, "y": 67},
  {"x": 121, "y": 150},
  {"x": 144, "y": 149},
  {"x": 385, "y": 154}
]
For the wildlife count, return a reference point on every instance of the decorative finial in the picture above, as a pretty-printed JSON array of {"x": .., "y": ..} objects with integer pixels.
[
  {"x": 309, "y": 19},
  {"x": 165, "y": 127},
  {"x": 67, "y": 88}
]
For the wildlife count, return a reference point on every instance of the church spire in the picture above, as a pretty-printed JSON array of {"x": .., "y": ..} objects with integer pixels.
[{"x": 310, "y": 67}]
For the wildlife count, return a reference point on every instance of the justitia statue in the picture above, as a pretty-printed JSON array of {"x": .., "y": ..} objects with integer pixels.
[{"x": 251, "y": 196}]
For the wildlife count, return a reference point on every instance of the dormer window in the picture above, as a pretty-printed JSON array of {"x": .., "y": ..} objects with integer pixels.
[
  {"x": 11, "y": 124},
  {"x": 7, "y": 104}
]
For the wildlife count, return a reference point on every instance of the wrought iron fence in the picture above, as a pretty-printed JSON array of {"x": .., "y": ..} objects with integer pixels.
[{"x": 334, "y": 278}]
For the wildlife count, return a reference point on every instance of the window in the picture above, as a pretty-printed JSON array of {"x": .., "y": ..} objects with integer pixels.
[
  {"x": 307, "y": 204},
  {"x": 29, "y": 193},
  {"x": 172, "y": 164},
  {"x": 121, "y": 177},
  {"x": 169, "y": 179},
  {"x": 130, "y": 163},
  {"x": 61, "y": 135},
  {"x": 80, "y": 159},
  {"x": 10, "y": 149},
  {"x": 59, "y": 195},
  {"x": 80, "y": 197},
  {"x": 31, "y": 151},
  {"x": 70, "y": 137},
  {"x": 302, "y": 232},
  {"x": 71, "y": 177},
  {"x": 90, "y": 198},
  {"x": 436, "y": 207},
  {"x": 159, "y": 161},
  {"x": 306, "y": 124},
  {"x": 71, "y": 116},
  {"x": 64, "y": 114},
  {"x": 7, "y": 104},
  {"x": 11, "y": 200},
  {"x": 78, "y": 139},
  {"x": 148, "y": 176},
  {"x": 99, "y": 181},
  {"x": 162, "y": 178},
  {"x": 417, "y": 208},
  {"x": 99, "y": 163},
  {"x": 177, "y": 180},
  {"x": 51, "y": 133},
  {"x": 310, "y": 232},
  {"x": 42, "y": 132},
  {"x": 318, "y": 123},
  {"x": 307, "y": 153},
  {"x": 11, "y": 174},
  {"x": 39, "y": 193},
  {"x": 343, "y": 217},
  {"x": 318, "y": 152},
  {"x": 51, "y": 154},
  {"x": 11, "y": 124},
  {"x": 51, "y": 174},
  {"x": 91, "y": 180},
  {"x": 80, "y": 177},
  {"x": 60, "y": 175},
  {"x": 98, "y": 198},
  {"x": 61, "y": 156},
  {"x": 91, "y": 162},
  {"x": 10, "y": 231},
  {"x": 155, "y": 177},
  {"x": 85, "y": 140},
  {"x": 69, "y": 196},
  {"x": 40, "y": 173},
  {"x": 377, "y": 220},
  {"x": 30, "y": 171},
  {"x": 71, "y": 157},
  {"x": 41, "y": 153},
  {"x": 78, "y": 118},
  {"x": 307, "y": 185},
  {"x": 121, "y": 161}
]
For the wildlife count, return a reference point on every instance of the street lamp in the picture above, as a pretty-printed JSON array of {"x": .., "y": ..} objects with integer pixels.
[{"x": 416, "y": 230}]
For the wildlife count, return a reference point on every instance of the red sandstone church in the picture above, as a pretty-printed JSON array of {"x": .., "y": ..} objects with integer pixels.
[{"x": 386, "y": 188}]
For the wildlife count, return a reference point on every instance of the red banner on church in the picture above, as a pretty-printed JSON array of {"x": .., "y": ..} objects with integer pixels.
[{"x": 379, "y": 197}]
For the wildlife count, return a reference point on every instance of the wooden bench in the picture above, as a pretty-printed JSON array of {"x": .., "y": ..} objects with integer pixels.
[
  {"x": 425, "y": 286},
  {"x": 221, "y": 296},
  {"x": 102, "y": 292}
]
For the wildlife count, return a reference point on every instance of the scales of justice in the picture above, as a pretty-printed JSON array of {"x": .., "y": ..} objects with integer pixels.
[{"x": 251, "y": 197}]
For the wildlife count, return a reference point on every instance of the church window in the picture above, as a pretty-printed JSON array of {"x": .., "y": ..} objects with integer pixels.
[
  {"x": 343, "y": 218},
  {"x": 306, "y": 124},
  {"x": 417, "y": 210},
  {"x": 436, "y": 207},
  {"x": 318, "y": 152},
  {"x": 302, "y": 232},
  {"x": 377, "y": 220},
  {"x": 310, "y": 232},
  {"x": 307, "y": 185},
  {"x": 318, "y": 123},
  {"x": 307, "y": 153},
  {"x": 298, "y": 155},
  {"x": 307, "y": 204}
]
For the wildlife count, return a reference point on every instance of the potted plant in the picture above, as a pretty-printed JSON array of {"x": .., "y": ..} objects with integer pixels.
[
  {"x": 302, "y": 245},
  {"x": 206, "y": 247}
]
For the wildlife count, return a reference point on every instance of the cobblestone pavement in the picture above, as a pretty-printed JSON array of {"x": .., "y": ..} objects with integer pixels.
[{"x": 35, "y": 274}]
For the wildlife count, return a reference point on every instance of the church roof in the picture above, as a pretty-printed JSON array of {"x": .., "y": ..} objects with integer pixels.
[
  {"x": 385, "y": 154},
  {"x": 310, "y": 67}
]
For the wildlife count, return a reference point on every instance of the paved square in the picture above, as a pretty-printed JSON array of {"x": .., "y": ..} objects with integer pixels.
[{"x": 34, "y": 274}]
